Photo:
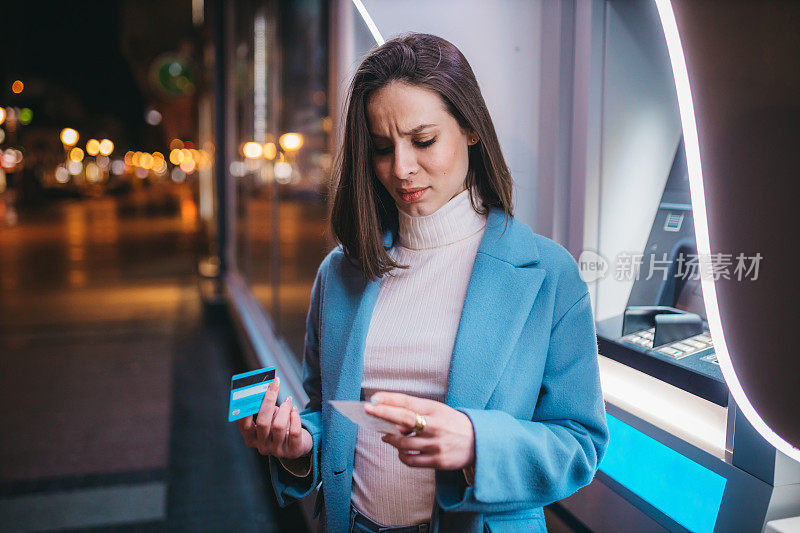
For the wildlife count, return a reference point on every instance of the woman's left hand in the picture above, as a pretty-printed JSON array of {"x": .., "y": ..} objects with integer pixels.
[{"x": 446, "y": 443}]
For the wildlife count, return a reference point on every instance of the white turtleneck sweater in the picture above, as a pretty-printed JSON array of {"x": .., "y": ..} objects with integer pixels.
[{"x": 408, "y": 348}]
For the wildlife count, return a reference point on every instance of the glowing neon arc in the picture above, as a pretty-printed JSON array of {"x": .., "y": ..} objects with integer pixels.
[
  {"x": 373, "y": 28},
  {"x": 692, "y": 144}
]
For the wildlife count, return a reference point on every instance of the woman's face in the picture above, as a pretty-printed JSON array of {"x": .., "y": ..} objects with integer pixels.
[{"x": 421, "y": 153}]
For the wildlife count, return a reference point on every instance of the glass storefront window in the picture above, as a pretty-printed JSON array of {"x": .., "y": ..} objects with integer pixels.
[{"x": 279, "y": 154}]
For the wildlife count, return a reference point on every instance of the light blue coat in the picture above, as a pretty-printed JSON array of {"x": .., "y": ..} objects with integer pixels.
[{"x": 524, "y": 369}]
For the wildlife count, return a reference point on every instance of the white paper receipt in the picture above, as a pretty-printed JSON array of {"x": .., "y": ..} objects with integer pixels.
[{"x": 355, "y": 411}]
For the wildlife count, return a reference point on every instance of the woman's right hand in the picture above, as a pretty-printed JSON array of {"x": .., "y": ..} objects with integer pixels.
[{"x": 276, "y": 430}]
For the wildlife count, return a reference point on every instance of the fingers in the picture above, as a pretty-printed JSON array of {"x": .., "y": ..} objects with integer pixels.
[
  {"x": 294, "y": 441},
  {"x": 413, "y": 444},
  {"x": 266, "y": 412},
  {"x": 396, "y": 415},
  {"x": 412, "y": 403},
  {"x": 420, "y": 460},
  {"x": 280, "y": 426}
]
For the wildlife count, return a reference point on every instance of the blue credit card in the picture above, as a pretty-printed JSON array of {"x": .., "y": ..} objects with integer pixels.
[{"x": 247, "y": 392}]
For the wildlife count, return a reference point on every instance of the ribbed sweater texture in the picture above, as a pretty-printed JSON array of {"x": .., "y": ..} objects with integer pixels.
[{"x": 408, "y": 348}]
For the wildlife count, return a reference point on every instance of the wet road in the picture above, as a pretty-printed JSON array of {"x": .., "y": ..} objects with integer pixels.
[{"x": 113, "y": 376}]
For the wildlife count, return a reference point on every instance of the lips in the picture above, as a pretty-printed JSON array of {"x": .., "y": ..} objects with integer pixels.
[{"x": 412, "y": 195}]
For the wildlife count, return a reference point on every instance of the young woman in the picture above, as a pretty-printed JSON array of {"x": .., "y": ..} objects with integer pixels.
[{"x": 467, "y": 330}]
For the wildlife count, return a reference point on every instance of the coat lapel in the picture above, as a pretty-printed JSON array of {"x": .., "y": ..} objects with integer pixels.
[{"x": 501, "y": 291}]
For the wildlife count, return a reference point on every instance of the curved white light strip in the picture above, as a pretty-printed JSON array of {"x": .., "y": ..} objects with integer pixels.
[
  {"x": 373, "y": 28},
  {"x": 692, "y": 145}
]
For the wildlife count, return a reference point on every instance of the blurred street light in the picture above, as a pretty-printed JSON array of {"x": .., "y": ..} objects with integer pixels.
[
  {"x": 270, "y": 151},
  {"x": 283, "y": 172},
  {"x": 146, "y": 161},
  {"x": 106, "y": 147},
  {"x": 69, "y": 137},
  {"x": 25, "y": 116},
  {"x": 176, "y": 156},
  {"x": 252, "y": 150},
  {"x": 17, "y": 86},
  {"x": 75, "y": 167},
  {"x": 291, "y": 142},
  {"x": 2, "y": 115},
  {"x": 61, "y": 174},
  {"x": 153, "y": 117},
  {"x": 76, "y": 155},
  {"x": 92, "y": 173},
  {"x": 117, "y": 167},
  {"x": 188, "y": 166},
  {"x": 93, "y": 147}
]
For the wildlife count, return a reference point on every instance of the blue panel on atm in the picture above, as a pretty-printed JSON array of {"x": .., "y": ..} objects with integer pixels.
[{"x": 688, "y": 493}]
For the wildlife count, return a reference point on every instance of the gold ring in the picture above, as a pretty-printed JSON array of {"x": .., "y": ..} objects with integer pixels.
[{"x": 419, "y": 427}]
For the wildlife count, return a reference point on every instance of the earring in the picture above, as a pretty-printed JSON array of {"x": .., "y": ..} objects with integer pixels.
[{"x": 474, "y": 140}]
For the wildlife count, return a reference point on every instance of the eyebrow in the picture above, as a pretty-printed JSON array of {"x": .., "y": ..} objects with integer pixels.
[{"x": 411, "y": 132}]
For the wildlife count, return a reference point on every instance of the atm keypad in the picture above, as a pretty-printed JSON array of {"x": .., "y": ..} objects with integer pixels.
[{"x": 675, "y": 350}]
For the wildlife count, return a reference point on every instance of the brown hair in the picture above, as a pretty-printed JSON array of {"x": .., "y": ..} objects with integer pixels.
[{"x": 362, "y": 207}]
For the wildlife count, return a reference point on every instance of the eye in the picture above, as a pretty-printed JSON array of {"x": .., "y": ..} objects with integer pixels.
[
  {"x": 425, "y": 144},
  {"x": 388, "y": 149}
]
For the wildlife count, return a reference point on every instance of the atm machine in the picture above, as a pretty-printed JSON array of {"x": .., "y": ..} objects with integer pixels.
[
  {"x": 683, "y": 454},
  {"x": 713, "y": 473},
  {"x": 663, "y": 330}
]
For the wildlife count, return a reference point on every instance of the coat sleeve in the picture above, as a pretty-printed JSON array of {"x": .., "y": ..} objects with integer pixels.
[
  {"x": 289, "y": 487},
  {"x": 531, "y": 463}
]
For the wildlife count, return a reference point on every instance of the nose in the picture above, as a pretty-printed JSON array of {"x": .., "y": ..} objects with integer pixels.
[{"x": 405, "y": 162}]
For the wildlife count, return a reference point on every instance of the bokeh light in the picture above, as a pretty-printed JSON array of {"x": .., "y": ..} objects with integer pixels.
[
  {"x": 270, "y": 151},
  {"x": 76, "y": 155},
  {"x": 152, "y": 117},
  {"x": 188, "y": 166},
  {"x": 62, "y": 174},
  {"x": 176, "y": 156},
  {"x": 178, "y": 175},
  {"x": 118, "y": 167},
  {"x": 75, "y": 167},
  {"x": 2, "y": 114},
  {"x": 283, "y": 172},
  {"x": 160, "y": 167},
  {"x": 93, "y": 147},
  {"x": 146, "y": 161},
  {"x": 175, "y": 144},
  {"x": 17, "y": 86},
  {"x": 106, "y": 147},
  {"x": 291, "y": 141},
  {"x": 252, "y": 150},
  {"x": 25, "y": 116},
  {"x": 92, "y": 172},
  {"x": 69, "y": 137}
]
